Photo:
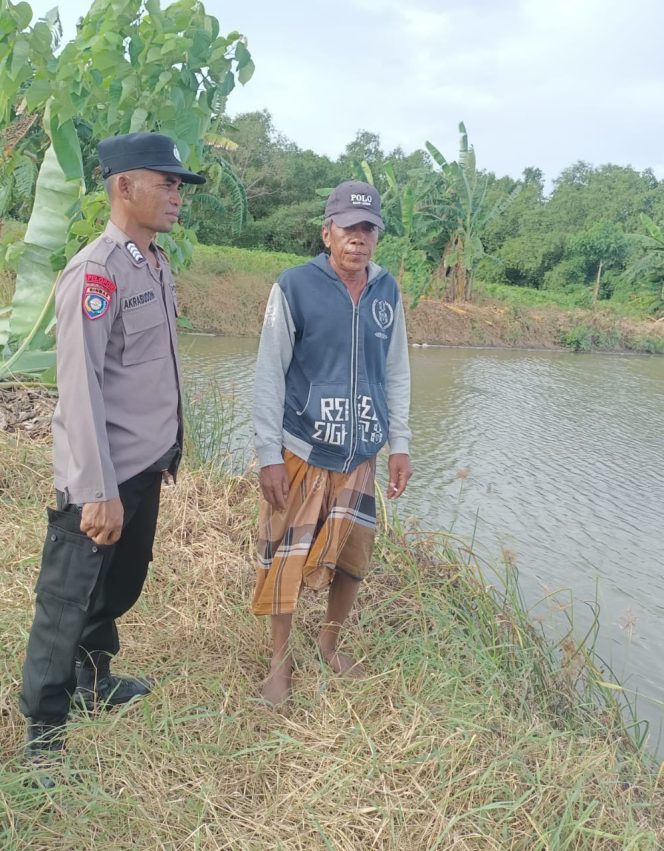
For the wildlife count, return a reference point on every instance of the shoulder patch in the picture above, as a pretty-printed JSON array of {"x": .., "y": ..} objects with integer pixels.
[
  {"x": 97, "y": 294},
  {"x": 100, "y": 281}
]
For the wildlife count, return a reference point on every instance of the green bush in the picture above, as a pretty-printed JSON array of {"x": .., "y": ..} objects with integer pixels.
[
  {"x": 607, "y": 340},
  {"x": 644, "y": 300},
  {"x": 227, "y": 260},
  {"x": 527, "y": 296},
  {"x": 579, "y": 338},
  {"x": 292, "y": 229},
  {"x": 585, "y": 338},
  {"x": 649, "y": 345},
  {"x": 569, "y": 274}
]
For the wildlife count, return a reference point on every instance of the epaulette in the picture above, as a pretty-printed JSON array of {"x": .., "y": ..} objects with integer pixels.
[
  {"x": 96, "y": 252},
  {"x": 135, "y": 253}
]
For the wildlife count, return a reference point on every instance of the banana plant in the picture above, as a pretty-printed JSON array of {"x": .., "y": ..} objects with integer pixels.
[
  {"x": 649, "y": 265},
  {"x": 464, "y": 205},
  {"x": 131, "y": 67},
  {"x": 30, "y": 319}
]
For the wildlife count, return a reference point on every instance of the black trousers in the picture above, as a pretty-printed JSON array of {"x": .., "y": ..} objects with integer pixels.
[{"x": 82, "y": 588}]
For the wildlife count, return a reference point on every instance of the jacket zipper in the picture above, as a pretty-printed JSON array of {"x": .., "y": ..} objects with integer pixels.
[{"x": 353, "y": 379}]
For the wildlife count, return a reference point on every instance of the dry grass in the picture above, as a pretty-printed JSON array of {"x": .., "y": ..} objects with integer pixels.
[{"x": 465, "y": 734}]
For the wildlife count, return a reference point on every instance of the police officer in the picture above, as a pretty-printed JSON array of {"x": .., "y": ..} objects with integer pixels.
[{"x": 117, "y": 432}]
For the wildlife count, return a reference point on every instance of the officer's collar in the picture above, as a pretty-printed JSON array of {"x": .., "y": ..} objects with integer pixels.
[{"x": 131, "y": 249}]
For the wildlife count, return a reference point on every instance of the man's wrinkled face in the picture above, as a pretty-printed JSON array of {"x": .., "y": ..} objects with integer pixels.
[{"x": 351, "y": 248}]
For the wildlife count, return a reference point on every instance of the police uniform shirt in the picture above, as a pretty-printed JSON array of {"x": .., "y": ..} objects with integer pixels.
[{"x": 118, "y": 373}]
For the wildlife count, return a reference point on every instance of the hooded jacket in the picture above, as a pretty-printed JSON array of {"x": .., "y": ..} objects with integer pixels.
[{"x": 332, "y": 377}]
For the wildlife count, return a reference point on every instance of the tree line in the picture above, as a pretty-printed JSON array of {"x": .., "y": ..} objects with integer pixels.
[{"x": 596, "y": 236}]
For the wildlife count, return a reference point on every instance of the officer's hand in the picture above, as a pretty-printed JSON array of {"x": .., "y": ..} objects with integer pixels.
[
  {"x": 102, "y": 521},
  {"x": 274, "y": 485},
  {"x": 167, "y": 478},
  {"x": 399, "y": 471}
]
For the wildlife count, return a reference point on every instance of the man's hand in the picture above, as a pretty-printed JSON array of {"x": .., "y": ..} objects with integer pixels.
[
  {"x": 274, "y": 485},
  {"x": 399, "y": 471},
  {"x": 102, "y": 521}
]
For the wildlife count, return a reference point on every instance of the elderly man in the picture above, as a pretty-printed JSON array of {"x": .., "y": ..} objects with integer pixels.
[
  {"x": 117, "y": 431},
  {"x": 332, "y": 386}
]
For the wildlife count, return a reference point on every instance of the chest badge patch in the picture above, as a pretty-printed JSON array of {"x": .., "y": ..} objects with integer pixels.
[
  {"x": 383, "y": 314},
  {"x": 97, "y": 295}
]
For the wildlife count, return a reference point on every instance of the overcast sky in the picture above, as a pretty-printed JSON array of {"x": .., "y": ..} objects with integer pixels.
[{"x": 537, "y": 82}]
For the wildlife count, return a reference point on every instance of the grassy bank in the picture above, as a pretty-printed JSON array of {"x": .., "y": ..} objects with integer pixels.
[
  {"x": 226, "y": 289},
  {"x": 470, "y": 732}
]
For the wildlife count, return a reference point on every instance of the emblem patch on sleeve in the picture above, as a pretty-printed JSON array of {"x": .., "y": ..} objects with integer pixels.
[{"x": 97, "y": 294}]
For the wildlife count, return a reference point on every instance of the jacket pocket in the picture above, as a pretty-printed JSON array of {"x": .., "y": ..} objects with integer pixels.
[
  {"x": 71, "y": 562},
  {"x": 326, "y": 417},
  {"x": 146, "y": 335}
]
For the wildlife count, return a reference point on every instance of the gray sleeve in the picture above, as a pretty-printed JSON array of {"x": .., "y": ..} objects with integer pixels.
[
  {"x": 397, "y": 385},
  {"x": 275, "y": 352},
  {"x": 81, "y": 350}
]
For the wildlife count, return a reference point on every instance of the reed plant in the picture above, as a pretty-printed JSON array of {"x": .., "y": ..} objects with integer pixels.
[
  {"x": 470, "y": 731},
  {"x": 211, "y": 419}
]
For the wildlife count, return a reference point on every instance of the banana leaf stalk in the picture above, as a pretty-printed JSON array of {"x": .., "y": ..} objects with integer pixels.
[{"x": 26, "y": 326}]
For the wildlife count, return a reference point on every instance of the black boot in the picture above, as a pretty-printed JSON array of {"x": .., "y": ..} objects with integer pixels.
[
  {"x": 44, "y": 750},
  {"x": 97, "y": 688}
]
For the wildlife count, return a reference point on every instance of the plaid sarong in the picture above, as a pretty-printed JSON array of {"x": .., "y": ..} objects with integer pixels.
[{"x": 329, "y": 523}]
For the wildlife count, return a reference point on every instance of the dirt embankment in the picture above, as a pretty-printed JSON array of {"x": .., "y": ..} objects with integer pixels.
[
  {"x": 500, "y": 324},
  {"x": 232, "y": 301}
]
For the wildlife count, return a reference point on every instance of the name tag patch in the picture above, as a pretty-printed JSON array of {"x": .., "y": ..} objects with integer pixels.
[
  {"x": 97, "y": 294},
  {"x": 131, "y": 302}
]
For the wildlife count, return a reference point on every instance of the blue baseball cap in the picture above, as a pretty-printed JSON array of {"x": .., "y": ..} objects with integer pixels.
[{"x": 353, "y": 202}]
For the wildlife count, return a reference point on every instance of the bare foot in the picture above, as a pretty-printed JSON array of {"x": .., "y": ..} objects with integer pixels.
[
  {"x": 343, "y": 664},
  {"x": 276, "y": 688}
]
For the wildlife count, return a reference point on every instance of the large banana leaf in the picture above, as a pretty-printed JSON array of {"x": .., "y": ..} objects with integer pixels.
[
  {"x": 29, "y": 362},
  {"x": 436, "y": 155},
  {"x": 35, "y": 352},
  {"x": 46, "y": 233},
  {"x": 654, "y": 230}
]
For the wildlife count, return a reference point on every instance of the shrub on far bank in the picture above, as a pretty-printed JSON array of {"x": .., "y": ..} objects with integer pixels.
[
  {"x": 528, "y": 297},
  {"x": 226, "y": 260},
  {"x": 291, "y": 229}
]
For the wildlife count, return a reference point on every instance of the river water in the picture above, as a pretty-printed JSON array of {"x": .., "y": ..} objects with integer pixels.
[{"x": 551, "y": 460}]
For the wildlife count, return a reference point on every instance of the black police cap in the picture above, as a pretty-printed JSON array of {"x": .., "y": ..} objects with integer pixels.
[{"x": 153, "y": 151}]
